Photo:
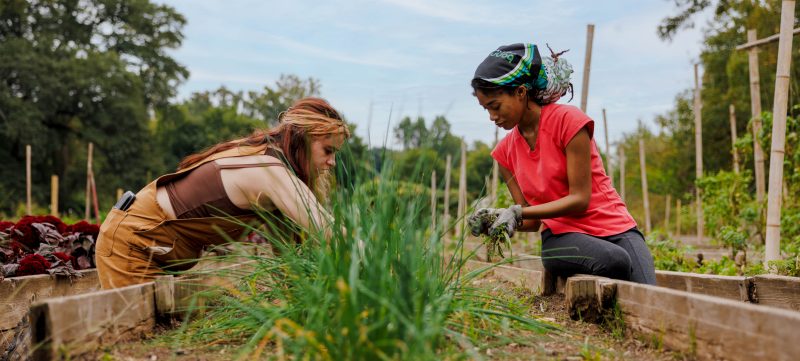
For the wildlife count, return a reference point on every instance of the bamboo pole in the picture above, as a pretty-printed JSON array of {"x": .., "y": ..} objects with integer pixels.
[
  {"x": 587, "y": 65},
  {"x": 698, "y": 147},
  {"x": 678, "y": 218},
  {"x": 495, "y": 172},
  {"x": 446, "y": 205},
  {"x": 779, "y": 109},
  {"x": 732, "y": 111},
  {"x": 28, "y": 203},
  {"x": 119, "y": 193},
  {"x": 462, "y": 189},
  {"x": 94, "y": 201},
  {"x": 755, "y": 110},
  {"x": 645, "y": 192},
  {"x": 622, "y": 172},
  {"x": 608, "y": 149},
  {"x": 87, "y": 212},
  {"x": 753, "y": 43},
  {"x": 433, "y": 200},
  {"x": 54, "y": 195},
  {"x": 667, "y": 212}
]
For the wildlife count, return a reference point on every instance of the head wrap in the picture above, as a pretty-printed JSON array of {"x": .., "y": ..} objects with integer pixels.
[{"x": 520, "y": 64}]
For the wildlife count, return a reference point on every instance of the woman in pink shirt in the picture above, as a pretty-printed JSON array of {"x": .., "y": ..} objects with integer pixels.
[{"x": 553, "y": 170}]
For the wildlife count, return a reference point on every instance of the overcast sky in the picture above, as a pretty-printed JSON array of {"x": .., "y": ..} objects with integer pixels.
[{"x": 416, "y": 57}]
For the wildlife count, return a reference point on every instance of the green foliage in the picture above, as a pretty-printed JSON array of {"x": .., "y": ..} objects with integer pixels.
[
  {"x": 669, "y": 256},
  {"x": 729, "y": 208},
  {"x": 69, "y": 80},
  {"x": 377, "y": 286},
  {"x": 425, "y": 149}
]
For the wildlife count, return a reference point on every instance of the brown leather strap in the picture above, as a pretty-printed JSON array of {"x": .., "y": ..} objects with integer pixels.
[{"x": 246, "y": 165}]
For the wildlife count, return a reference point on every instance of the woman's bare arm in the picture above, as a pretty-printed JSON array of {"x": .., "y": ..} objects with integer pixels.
[
  {"x": 579, "y": 176},
  {"x": 528, "y": 225}
]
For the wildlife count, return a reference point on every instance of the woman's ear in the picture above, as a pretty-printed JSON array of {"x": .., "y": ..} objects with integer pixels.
[{"x": 522, "y": 92}]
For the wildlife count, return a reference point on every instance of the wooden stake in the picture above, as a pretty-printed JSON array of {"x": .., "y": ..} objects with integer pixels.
[
  {"x": 645, "y": 192},
  {"x": 779, "y": 109},
  {"x": 755, "y": 110},
  {"x": 462, "y": 189},
  {"x": 732, "y": 111},
  {"x": 119, "y": 194},
  {"x": 94, "y": 201},
  {"x": 87, "y": 213},
  {"x": 54, "y": 195},
  {"x": 433, "y": 200},
  {"x": 608, "y": 149},
  {"x": 698, "y": 147},
  {"x": 678, "y": 218},
  {"x": 446, "y": 205},
  {"x": 587, "y": 66},
  {"x": 28, "y": 203},
  {"x": 753, "y": 43},
  {"x": 622, "y": 172},
  {"x": 666, "y": 213}
]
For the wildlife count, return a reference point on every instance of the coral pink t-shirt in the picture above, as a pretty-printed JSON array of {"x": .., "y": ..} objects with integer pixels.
[{"x": 542, "y": 173}]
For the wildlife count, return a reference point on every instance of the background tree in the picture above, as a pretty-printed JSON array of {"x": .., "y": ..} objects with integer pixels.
[{"x": 75, "y": 72}]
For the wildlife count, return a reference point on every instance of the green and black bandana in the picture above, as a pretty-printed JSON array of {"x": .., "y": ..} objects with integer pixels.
[{"x": 520, "y": 64}]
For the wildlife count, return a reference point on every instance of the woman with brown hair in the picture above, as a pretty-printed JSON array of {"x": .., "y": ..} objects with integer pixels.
[{"x": 215, "y": 192}]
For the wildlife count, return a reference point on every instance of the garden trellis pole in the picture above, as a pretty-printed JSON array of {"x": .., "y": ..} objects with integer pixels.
[
  {"x": 446, "y": 205},
  {"x": 87, "y": 212},
  {"x": 608, "y": 149},
  {"x": 622, "y": 172},
  {"x": 94, "y": 201},
  {"x": 755, "y": 103},
  {"x": 698, "y": 147},
  {"x": 433, "y": 200},
  {"x": 779, "y": 108},
  {"x": 666, "y": 213},
  {"x": 587, "y": 65},
  {"x": 28, "y": 203},
  {"x": 678, "y": 218},
  {"x": 462, "y": 189},
  {"x": 732, "y": 111},
  {"x": 54, "y": 195},
  {"x": 645, "y": 192}
]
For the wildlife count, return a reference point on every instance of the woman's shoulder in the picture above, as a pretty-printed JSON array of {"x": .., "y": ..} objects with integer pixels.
[
  {"x": 556, "y": 109},
  {"x": 254, "y": 159}
]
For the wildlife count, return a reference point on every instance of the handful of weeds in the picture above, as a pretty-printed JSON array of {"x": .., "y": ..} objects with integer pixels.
[{"x": 494, "y": 241}]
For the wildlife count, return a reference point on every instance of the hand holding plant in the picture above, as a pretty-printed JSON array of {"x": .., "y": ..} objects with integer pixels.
[{"x": 480, "y": 221}]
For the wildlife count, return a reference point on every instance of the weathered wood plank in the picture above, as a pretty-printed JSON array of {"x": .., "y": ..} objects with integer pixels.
[
  {"x": 77, "y": 324},
  {"x": 708, "y": 327},
  {"x": 777, "y": 291},
  {"x": 17, "y": 294},
  {"x": 530, "y": 279},
  {"x": 729, "y": 287}
]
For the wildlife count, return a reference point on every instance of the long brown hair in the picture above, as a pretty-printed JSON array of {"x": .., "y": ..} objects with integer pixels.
[{"x": 306, "y": 119}]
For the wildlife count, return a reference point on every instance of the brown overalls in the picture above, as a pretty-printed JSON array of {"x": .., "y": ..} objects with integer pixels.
[{"x": 123, "y": 256}]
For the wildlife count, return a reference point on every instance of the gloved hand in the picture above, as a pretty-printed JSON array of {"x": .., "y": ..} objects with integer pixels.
[
  {"x": 507, "y": 222},
  {"x": 480, "y": 221}
]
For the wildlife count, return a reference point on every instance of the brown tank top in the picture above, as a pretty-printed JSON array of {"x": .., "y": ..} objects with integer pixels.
[{"x": 200, "y": 193}]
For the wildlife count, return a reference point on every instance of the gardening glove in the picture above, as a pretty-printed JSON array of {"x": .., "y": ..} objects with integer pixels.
[
  {"x": 480, "y": 221},
  {"x": 508, "y": 220}
]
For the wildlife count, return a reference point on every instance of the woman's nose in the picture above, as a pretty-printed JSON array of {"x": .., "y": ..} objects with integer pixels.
[
  {"x": 332, "y": 161},
  {"x": 493, "y": 117}
]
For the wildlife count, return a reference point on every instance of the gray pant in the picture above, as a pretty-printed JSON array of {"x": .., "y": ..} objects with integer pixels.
[{"x": 622, "y": 256}]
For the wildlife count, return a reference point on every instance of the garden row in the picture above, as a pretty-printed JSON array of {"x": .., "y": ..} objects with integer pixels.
[{"x": 706, "y": 316}]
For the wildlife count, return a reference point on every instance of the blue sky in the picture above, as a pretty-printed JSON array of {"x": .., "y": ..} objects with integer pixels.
[{"x": 416, "y": 57}]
